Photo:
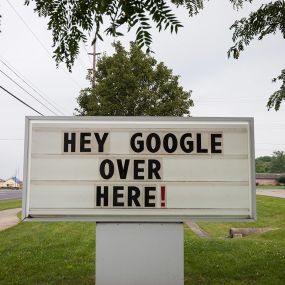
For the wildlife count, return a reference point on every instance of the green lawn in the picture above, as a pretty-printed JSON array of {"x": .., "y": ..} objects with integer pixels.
[
  {"x": 270, "y": 187},
  {"x": 64, "y": 253},
  {"x": 10, "y": 204},
  {"x": 258, "y": 260},
  {"x": 34, "y": 253},
  {"x": 270, "y": 213}
]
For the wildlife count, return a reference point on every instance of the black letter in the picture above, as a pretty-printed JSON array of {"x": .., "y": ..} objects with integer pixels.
[
  {"x": 84, "y": 141},
  {"x": 190, "y": 144},
  {"x": 140, "y": 144},
  {"x": 166, "y": 143},
  {"x": 117, "y": 195},
  {"x": 103, "y": 170},
  {"x": 100, "y": 196},
  {"x": 214, "y": 144},
  {"x": 156, "y": 145},
  {"x": 100, "y": 141},
  {"x": 148, "y": 197},
  {"x": 123, "y": 169},
  {"x": 138, "y": 169},
  {"x": 153, "y": 168},
  {"x": 199, "y": 145},
  {"x": 68, "y": 141},
  {"x": 133, "y": 195}
]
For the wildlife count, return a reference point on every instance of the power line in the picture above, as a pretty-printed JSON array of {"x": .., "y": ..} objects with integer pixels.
[
  {"x": 13, "y": 69},
  {"x": 46, "y": 98},
  {"x": 40, "y": 42},
  {"x": 86, "y": 52},
  {"x": 27, "y": 92},
  {"x": 22, "y": 19},
  {"x": 82, "y": 64},
  {"x": 11, "y": 94}
]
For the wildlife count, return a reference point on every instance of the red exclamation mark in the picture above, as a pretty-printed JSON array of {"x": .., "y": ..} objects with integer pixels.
[{"x": 162, "y": 196}]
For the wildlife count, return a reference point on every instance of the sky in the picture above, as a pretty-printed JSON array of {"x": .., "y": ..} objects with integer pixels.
[{"x": 221, "y": 87}]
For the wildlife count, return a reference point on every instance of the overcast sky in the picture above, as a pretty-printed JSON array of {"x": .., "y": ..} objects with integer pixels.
[{"x": 221, "y": 86}]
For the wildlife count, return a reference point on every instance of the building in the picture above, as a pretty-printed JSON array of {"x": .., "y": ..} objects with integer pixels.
[
  {"x": 268, "y": 178},
  {"x": 12, "y": 182}
]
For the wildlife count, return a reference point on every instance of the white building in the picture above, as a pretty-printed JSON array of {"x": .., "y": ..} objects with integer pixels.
[
  {"x": 2, "y": 183},
  {"x": 10, "y": 183}
]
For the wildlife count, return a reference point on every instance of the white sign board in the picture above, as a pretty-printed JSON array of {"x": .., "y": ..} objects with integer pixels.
[{"x": 139, "y": 169}]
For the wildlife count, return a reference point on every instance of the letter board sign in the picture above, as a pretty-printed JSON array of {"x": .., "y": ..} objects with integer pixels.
[{"x": 139, "y": 169}]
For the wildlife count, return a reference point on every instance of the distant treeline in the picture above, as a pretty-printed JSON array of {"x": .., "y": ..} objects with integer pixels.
[{"x": 271, "y": 164}]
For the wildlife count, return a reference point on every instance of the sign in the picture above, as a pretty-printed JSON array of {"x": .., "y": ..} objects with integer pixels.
[{"x": 139, "y": 169}]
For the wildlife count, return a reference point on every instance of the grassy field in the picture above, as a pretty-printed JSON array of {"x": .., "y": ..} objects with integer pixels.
[
  {"x": 64, "y": 253},
  {"x": 270, "y": 187},
  {"x": 256, "y": 260},
  {"x": 270, "y": 213},
  {"x": 10, "y": 204}
]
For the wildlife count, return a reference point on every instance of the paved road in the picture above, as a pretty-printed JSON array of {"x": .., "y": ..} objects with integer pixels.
[
  {"x": 280, "y": 193},
  {"x": 10, "y": 194}
]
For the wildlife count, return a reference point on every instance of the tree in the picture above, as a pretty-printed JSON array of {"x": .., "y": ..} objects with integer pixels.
[
  {"x": 273, "y": 164},
  {"x": 277, "y": 164},
  {"x": 278, "y": 96},
  {"x": 133, "y": 84},
  {"x": 267, "y": 20},
  {"x": 262, "y": 164},
  {"x": 71, "y": 21}
]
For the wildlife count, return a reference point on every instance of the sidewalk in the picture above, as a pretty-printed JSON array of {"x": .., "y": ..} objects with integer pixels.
[
  {"x": 272, "y": 193},
  {"x": 8, "y": 218}
]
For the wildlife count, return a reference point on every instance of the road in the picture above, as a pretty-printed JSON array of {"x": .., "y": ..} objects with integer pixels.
[{"x": 10, "y": 194}]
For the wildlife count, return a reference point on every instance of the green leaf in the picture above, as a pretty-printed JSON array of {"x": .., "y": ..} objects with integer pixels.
[{"x": 132, "y": 83}]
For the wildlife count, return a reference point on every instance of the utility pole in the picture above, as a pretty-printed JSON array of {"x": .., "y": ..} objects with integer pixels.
[
  {"x": 15, "y": 179},
  {"x": 94, "y": 54}
]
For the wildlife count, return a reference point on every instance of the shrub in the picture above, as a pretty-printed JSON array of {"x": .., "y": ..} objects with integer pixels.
[{"x": 281, "y": 179}]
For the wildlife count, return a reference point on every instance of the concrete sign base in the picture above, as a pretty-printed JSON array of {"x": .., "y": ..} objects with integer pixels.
[{"x": 139, "y": 253}]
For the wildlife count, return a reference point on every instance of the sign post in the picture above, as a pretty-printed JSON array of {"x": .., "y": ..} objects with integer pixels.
[
  {"x": 139, "y": 253},
  {"x": 139, "y": 178}
]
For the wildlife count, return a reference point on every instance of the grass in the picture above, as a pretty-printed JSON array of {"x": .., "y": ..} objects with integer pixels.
[
  {"x": 272, "y": 187},
  {"x": 48, "y": 253},
  {"x": 270, "y": 213},
  {"x": 10, "y": 204},
  {"x": 9, "y": 188},
  {"x": 259, "y": 260},
  {"x": 64, "y": 253}
]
